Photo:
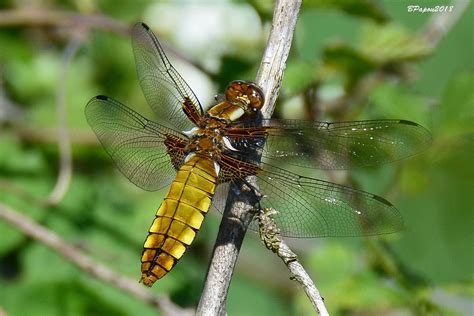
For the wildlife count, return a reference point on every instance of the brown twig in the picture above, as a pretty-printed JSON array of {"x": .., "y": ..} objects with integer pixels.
[
  {"x": 302, "y": 277},
  {"x": 21, "y": 193},
  {"x": 3, "y": 312},
  {"x": 271, "y": 237},
  {"x": 77, "y": 21},
  {"x": 238, "y": 213},
  {"x": 64, "y": 143},
  {"x": 441, "y": 23},
  {"x": 62, "y": 19},
  {"x": 81, "y": 260},
  {"x": 49, "y": 135}
]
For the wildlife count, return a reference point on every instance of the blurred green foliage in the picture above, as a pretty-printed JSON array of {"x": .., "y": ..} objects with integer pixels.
[{"x": 350, "y": 60}]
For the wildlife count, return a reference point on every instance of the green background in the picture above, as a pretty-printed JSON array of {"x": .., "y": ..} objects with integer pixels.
[{"x": 338, "y": 47}]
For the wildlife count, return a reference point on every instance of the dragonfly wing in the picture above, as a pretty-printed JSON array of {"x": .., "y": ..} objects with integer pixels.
[
  {"x": 308, "y": 207},
  {"x": 220, "y": 197},
  {"x": 163, "y": 87},
  {"x": 339, "y": 145},
  {"x": 136, "y": 144}
]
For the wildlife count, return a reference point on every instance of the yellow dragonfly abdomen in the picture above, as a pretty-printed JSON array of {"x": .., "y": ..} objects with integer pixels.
[{"x": 179, "y": 217}]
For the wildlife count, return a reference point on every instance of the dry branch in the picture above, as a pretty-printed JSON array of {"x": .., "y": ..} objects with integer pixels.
[
  {"x": 271, "y": 237},
  {"x": 440, "y": 24},
  {"x": 63, "y": 19},
  {"x": 101, "y": 272},
  {"x": 240, "y": 203},
  {"x": 64, "y": 143},
  {"x": 73, "y": 21}
]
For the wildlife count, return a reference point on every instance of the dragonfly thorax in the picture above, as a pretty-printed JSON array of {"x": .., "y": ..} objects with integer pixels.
[
  {"x": 242, "y": 100},
  {"x": 208, "y": 140}
]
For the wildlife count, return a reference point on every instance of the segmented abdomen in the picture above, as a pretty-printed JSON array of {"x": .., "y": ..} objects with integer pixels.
[{"x": 179, "y": 218}]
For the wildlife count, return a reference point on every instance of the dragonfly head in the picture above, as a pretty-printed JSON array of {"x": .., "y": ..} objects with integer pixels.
[{"x": 247, "y": 94}]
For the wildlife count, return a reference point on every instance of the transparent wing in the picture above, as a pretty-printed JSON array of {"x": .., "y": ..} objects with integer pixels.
[
  {"x": 136, "y": 144},
  {"x": 164, "y": 89},
  {"x": 220, "y": 197},
  {"x": 339, "y": 145},
  {"x": 308, "y": 207}
]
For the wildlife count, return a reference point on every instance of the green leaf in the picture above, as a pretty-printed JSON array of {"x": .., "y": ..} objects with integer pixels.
[
  {"x": 350, "y": 61},
  {"x": 316, "y": 28},
  {"x": 15, "y": 158},
  {"x": 298, "y": 76},
  {"x": 362, "y": 8},
  {"x": 455, "y": 114},
  {"x": 34, "y": 79},
  {"x": 67, "y": 297},
  {"x": 263, "y": 8},
  {"x": 264, "y": 301},
  {"x": 392, "y": 43},
  {"x": 439, "y": 217},
  {"x": 394, "y": 100},
  {"x": 339, "y": 268},
  {"x": 24, "y": 176}
]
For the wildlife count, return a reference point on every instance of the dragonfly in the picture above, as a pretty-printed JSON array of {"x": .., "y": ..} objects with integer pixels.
[{"x": 197, "y": 153}]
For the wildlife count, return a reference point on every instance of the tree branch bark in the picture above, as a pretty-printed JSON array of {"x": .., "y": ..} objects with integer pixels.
[
  {"x": 271, "y": 237},
  {"x": 239, "y": 207}
]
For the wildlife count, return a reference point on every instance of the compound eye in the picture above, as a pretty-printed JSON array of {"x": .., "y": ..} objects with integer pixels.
[
  {"x": 234, "y": 90},
  {"x": 256, "y": 97},
  {"x": 250, "y": 93}
]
